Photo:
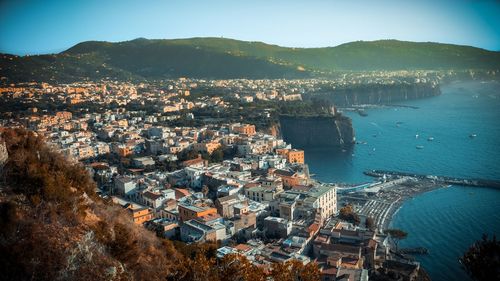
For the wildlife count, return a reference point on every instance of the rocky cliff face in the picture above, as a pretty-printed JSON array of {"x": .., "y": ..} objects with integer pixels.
[
  {"x": 379, "y": 94},
  {"x": 318, "y": 131}
]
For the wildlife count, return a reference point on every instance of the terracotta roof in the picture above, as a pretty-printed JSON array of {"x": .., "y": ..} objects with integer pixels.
[
  {"x": 313, "y": 228},
  {"x": 182, "y": 191},
  {"x": 191, "y": 162},
  {"x": 243, "y": 248}
]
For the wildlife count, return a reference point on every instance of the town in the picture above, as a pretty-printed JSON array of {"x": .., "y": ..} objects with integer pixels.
[{"x": 233, "y": 183}]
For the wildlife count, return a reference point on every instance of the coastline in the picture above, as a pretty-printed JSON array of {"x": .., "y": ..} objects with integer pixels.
[
  {"x": 399, "y": 204},
  {"x": 384, "y": 200}
]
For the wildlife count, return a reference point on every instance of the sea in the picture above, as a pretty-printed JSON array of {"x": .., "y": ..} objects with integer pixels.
[{"x": 454, "y": 134}]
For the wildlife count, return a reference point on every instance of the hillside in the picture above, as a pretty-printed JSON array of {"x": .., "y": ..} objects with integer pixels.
[
  {"x": 221, "y": 58},
  {"x": 53, "y": 226}
]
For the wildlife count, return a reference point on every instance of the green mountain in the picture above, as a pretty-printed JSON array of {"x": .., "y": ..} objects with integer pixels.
[{"x": 227, "y": 58}]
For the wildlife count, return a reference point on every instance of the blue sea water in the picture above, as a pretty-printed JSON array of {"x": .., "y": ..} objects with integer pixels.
[{"x": 446, "y": 221}]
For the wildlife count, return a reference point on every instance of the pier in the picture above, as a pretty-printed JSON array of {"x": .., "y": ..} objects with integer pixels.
[{"x": 440, "y": 179}]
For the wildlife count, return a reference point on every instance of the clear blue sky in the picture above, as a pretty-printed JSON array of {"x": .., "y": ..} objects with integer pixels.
[{"x": 47, "y": 26}]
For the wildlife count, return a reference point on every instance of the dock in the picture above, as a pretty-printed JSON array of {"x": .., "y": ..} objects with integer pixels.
[{"x": 441, "y": 179}]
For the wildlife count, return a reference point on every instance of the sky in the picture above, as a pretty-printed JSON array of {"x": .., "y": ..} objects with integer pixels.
[{"x": 50, "y": 26}]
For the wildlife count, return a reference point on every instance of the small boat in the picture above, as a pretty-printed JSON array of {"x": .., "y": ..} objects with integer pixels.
[
  {"x": 420, "y": 147},
  {"x": 362, "y": 113},
  {"x": 416, "y": 136},
  {"x": 430, "y": 139},
  {"x": 472, "y": 136}
]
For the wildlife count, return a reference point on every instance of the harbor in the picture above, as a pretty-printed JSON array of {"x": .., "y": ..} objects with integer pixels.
[{"x": 382, "y": 199}]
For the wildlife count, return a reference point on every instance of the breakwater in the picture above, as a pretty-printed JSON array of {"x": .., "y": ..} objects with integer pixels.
[{"x": 442, "y": 179}]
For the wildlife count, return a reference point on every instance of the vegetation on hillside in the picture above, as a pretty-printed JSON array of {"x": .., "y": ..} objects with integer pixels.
[
  {"x": 54, "y": 227},
  {"x": 221, "y": 58},
  {"x": 482, "y": 259}
]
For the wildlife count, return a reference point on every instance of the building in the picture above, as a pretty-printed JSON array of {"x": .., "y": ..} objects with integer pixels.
[
  {"x": 125, "y": 186},
  {"x": 262, "y": 193},
  {"x": 195, "y": 231},
  {"x": 277, "y": 227},
  {"x": 195, "y": 163},
  {"x": 208, "y": 147},
  {"x": 292, "y": 155},
  {"x": 245, "y": 129},
  {"x": 290, "y": 178},
  {"x": 156, "y": 200},
  {"x": 320, "y": 201},
  {"x": 139, "y": 214},
  {"x": 189, "y": 212},
  {"x": 226, "y": 205},
  {"x": 143, "y": 162}
]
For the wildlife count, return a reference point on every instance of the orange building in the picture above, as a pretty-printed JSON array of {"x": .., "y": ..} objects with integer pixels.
[
  {"x": 296, "y": 156},
  {"x": 290, "y": 179},
  {"x": 140, "y": 215},
  {"x": 208, "y": 147},
  {"x": 292, "y": 155},
  {"x": 189, "y": 212},
  {"x": 124, "y": 151},
  {"x": 246, "y": 129},
  {"x": 64, "y": 115}
]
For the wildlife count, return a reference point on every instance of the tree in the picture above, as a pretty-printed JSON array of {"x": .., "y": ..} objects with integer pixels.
[
  {"x": 294, "y": 270},
  {"x": 217, "y": 155},
  {"x": 482, "y": 259},
  {"x": 347, "y": 213},
  {"x": 237, "y": 267},
  {"x": 205, "y": 191},
  {"x": 396, "y": 236},
  {"x": 369, "y": 223}
]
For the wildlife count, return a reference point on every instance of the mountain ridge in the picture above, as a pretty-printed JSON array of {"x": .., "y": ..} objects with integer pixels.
[{"x": 224, "y": 58}]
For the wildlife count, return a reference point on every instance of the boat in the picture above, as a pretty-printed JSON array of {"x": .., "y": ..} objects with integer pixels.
[
  {"x": 472, "y": 136},
  {"x": 416, "y": 136},
  {"x": 362, "y": 113},
  {"x": 430, "y": 139},
  {"x": 420, "y": 147}
]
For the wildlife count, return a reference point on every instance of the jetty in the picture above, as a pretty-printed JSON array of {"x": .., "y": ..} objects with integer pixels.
[{"x": 441, "y": 179}]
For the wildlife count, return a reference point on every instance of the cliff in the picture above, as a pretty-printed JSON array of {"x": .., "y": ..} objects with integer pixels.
[
  {"x": 317, "y": 131},
  {"x": 379, "y": 93}
]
